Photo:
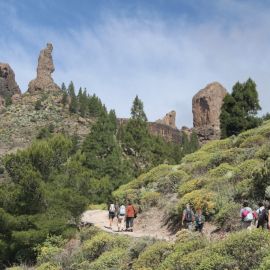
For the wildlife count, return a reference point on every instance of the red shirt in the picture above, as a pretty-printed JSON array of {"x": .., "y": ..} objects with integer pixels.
[{"x": 130, "y": 211}]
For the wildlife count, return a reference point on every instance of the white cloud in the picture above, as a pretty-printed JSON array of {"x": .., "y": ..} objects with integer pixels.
[{"x": 164, "y": 64}]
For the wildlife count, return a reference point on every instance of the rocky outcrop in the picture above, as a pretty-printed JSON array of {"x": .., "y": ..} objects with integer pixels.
[
  {"x": 168, "y": 119},
  {"x": 206, "y": 107},
  {"x": 8, "y": 85},
  {"x": 44, "y": 80},
  {"x": 168, "y": 133}
]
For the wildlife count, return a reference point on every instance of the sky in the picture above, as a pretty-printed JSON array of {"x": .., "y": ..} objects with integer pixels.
[{"x": 164, "y": 51}]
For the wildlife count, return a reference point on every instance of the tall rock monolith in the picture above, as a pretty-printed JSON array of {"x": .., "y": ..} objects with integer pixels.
[{"x": 206, "y": 108}]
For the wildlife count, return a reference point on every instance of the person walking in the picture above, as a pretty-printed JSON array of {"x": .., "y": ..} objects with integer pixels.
[
  {"x": 262, "y": 217},
  {"x": 121, "y": 217},
  {"x": 188, "y": 217},
  {"x": 130, "y": 215},
  {"x": 199, "y": 220},
  {"x": 246, "y": 216},
  {"x": 112, "y": 211}
]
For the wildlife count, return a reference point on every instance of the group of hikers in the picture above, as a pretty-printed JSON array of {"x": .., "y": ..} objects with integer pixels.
[
  {"x": 125, "y": 216},
  {"x": 192, "y": 221},
  {"x": 259, "y": 218}
]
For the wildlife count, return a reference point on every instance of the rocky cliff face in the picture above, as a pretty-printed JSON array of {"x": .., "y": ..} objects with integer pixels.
[
  {"x": 168, "y": 119},
  {"x": 206, "y": 107},
  {"x": 44, "y": 80},
  {"x": 168, "y": 133},
  {"x": 8, "y": 85}
]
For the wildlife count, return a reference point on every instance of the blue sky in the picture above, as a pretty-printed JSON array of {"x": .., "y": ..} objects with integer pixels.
[{"x": 163, "y": 50}]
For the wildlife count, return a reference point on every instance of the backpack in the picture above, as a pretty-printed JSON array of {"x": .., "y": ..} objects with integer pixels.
[
  {"x": 247, "y": 215},
  {"x": 262, "y": 216},
  {"x": 188, "y": 216},
  {"x": 112, "y": 208},
  {"x": 122, "y": 210}
]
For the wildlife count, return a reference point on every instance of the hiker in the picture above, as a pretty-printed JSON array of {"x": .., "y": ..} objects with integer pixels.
[
  {"x": 130, "y": 215},
  {"x": 112, "y": 212},
  {"x": 199, "y": 220},
  {"x": 262, "y": 217},
  {"x": 246, "y": 216},
  {"x": 121, "y": 217},
  {"x": 188, "y": 217}
]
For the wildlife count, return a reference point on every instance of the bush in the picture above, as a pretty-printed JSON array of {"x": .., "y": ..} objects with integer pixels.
[
  {"x": 252, "y": 141},
  {"x": 48, "y": 266},
  {"x": 201, "y": 198},
  {"x": 102, "y": 242},
  {"x": 153, "y": 256},
  {"x": 88, "y": 233},
  {"x": 189, "y": 186},
  {"x": 48, "y": 251},
  {"x": 169, "y": 183},
  {"x": 101, "y": 206},
  {"x": 113, "y": 259},
  {"x": 215, "y": 261},
  {"x": 138, "y": 245},
  {"x": 228, "y": 216},
  {"x": 265, "y": 264},
  {"x": 247, "y": 248},
  {"x": 150, "y": 198}
]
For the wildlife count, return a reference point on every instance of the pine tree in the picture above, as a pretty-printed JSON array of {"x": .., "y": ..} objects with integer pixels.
[
  {"x": 137, "y": 111},
  {"x": 95, "y": 106},
  {"x": 103, "y": 153},
  {"x": 239, "y": 109},
  {"x": 73, "y": 107},
  {"x": 63, "y": 87},
  {"x": 82, "y": 99}
]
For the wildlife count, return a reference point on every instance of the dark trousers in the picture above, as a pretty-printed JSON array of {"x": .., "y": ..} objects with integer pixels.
[
  {"x": 129, "y": 222},
  {"x": 199, "y": 227},
  {"x": 262, "y": 225}
]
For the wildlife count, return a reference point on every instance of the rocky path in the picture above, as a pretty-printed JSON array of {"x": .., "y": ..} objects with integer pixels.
[{"x": 99, "y": 218}]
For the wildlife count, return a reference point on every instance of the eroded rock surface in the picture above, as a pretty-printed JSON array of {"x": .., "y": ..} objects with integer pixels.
[
  {"x": 206, "y": 108},
  {"x": 8, "y": 85},
  {"x": 168, "y": 119},
  {"x": 44, "y": 80}
]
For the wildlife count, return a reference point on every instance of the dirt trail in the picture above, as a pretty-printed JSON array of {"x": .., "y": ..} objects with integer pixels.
[
  {"x": 147, "y": 224},
  {"x": 142, "y": 227}
]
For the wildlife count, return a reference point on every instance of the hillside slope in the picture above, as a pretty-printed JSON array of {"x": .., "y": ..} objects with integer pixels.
[
  {"x": 218, "y": 177},
  {"x": 21, "y": 122}
]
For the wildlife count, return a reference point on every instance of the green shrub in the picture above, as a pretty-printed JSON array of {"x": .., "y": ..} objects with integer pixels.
[
  {"x": 114, "y": 259},
  {"x": 200, "y": 198},
  {"x": 228, "y": 216},
  {"x": 223, "y": 170},
  {"x": 252, "y": 141},
  {"x": 102, "y": 242},
  {"x": 89, "y": 233},
  {"x": 50, "y": 249},
  {"x": 138, "y": 245},
  {"x": 215, "y": 261},
  {"x": 101, "y": 206},
  {"x": 171, "y": 181},
  {"x": 189, "y": 186},
  {"x": 150, "y": 198},
  {"x": 265, "y": 264},
  {"x": 247, "y": 248},
  {"x": 263, "y": 152},
  {"x": 48, "y": 266},
  {"x": 153, "y": 256},
  {"x": 218, "y": 145}
]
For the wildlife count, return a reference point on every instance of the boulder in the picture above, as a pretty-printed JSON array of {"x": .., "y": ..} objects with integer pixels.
[
  {"x": 8, "y": 85},
  {"x": 44, "y": 80},
  {"x": 206, "y": 108}
]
